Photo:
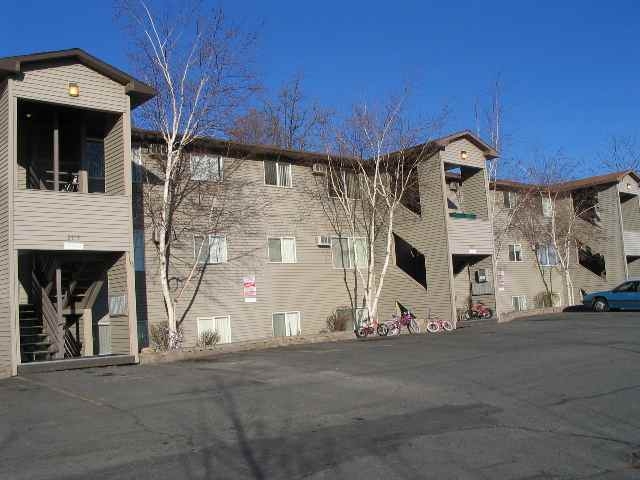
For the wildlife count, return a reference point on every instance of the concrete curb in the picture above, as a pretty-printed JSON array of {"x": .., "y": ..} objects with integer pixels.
[
  {"x": 148, "y": 357},
  {"x": 508, "y": 317}
]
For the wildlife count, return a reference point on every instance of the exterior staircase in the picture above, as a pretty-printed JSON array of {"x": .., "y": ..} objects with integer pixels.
[{"x": 34, "y": 343}]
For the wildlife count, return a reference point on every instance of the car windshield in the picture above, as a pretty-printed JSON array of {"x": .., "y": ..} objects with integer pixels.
[{"x": 627, "y": 287}]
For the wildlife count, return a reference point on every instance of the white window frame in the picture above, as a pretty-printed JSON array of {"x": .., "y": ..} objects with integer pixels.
[
  {"x": 547, "y": 248},
  {"x": 278, "y": 182},
  {"x": 208, "y": 176},
  {"x": 351, "y": 252},
  {"x": 344, "y": 188},
  {"x": 522, "y": 301},
  {"x": 213, "y": 319},
  {"x": 295, "y": 249},
  {"x": 196, "y": 248},
  {"x": 136, "y": 163},
  {"x": 512, "y": 199},
  {"x": 138, "y": 249},
  {"x": 297, "y": 312},
  {"x": 547, "y": 206},
  {"x": 515, "y": 259}
]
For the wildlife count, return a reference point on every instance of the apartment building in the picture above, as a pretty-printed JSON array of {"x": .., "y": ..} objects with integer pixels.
[
  {"x": 610, "y": 240},
  {"x": 66, "y": 248},
  {"x": 285, "y": 246},
  {"x": 77, "y": 244}
]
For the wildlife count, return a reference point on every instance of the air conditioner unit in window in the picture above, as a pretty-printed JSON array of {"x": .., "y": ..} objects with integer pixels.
[
  {"x": 324, "y": 241},
  {"x": 481, "y": 275},
  {"x": 319, "y": 169}
]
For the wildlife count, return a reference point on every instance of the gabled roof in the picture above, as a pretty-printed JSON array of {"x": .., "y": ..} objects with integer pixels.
[
  {"x": 487, "y": 149},
  {"x": 614, "y": 177},
  {"x": 137, "y": 90}
]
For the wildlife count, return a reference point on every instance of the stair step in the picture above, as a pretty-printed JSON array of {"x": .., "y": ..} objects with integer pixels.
[
  {"x": 35, "y": 347},
  {"x": 30, "y": 323},
  {"x": 29, "y": 357},
  {"x": 33, "y": 338},
  {"x": 30, "y": 330}
]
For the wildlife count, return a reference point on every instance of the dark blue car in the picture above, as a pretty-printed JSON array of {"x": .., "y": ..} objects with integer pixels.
[{"x": 625, "y": 296}]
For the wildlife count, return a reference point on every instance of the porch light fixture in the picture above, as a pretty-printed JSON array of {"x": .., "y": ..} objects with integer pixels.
[
  {"x": 464, "y": 154},
  {"x": 74, "y": 90}
]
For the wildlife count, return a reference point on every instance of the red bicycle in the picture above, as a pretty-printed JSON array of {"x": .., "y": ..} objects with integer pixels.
[{"x": 478, "y": 310}]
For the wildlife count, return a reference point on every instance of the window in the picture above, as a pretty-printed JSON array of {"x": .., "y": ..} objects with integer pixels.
[
  {"x": 212, "y": 248},
  {"x": 286, "y": 324},
  {"x": 515, "y": 252},
  {"x": 349, "y": 252},
  {"x": 282, "y": 250},
  {"x": 206, "y": 168},
  {"x": 547, "y": 207},
  {"x": 136, "y": 163},
  {"x": 519, "y": 303},
  {"x": 138, "y": 249},
  {"x": 510, "y": 199},
  {"x": 93, "y": 162},
  {"x": 343, "y": 182},
  {"x": 627, "y": 287},
  {"x": 547, "y": 255},
  {"x": 277, "y": 173},
  {"x": 222, "y": 325}
]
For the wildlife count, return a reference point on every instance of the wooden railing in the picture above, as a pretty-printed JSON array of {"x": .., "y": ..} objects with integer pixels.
[
  {"x": 72, "y": 347},
  {"x": 51, "y": 321}
]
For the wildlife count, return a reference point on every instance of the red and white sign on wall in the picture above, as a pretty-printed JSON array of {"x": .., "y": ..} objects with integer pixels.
[{"x": 249, "y": 288}]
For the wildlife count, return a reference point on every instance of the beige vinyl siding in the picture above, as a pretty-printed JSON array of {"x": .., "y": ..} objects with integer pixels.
[
  {"x": 117, "y": 286},
  {"x": 451, "y": 154},
  {"x": 5, "y": 245},
  {"x": 114, "y": 159},
  {"x": 633, "y": 268},
  {"x": 311, "y": 286},
  {"x": 470, "y": 236},
  {"x": 632, "y": 243},
  {"x": 474, "y": 192},
  {"x": 434, "y": 229},
  {"x": 44, "y": 220},
  {"x": 49, "y": 83}
]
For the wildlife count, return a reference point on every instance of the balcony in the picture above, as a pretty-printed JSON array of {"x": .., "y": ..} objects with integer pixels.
[
  {"x": 469, "y": 235},
  {"x": 69, "y": 150}
]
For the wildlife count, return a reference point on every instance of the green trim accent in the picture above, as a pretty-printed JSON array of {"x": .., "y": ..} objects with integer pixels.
[{"x": 462, "y": 215}]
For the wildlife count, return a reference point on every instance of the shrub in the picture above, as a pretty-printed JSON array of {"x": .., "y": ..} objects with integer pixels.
[
  {"x": 208, "y": 339},
  {"x": 340, "y": 319},
  {"x": 161, "y": 339}
]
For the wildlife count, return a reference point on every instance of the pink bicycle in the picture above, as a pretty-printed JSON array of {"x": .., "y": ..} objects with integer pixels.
[
  {"x": 392, "y": 327},
  {"x": 435, "y": 325}
]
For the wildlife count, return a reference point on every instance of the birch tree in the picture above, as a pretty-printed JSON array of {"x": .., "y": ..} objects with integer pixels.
[
  {"x": 553, "y": 216},
  {"x": 370, "y": 176},
  {"x": 198, "y": 62}
]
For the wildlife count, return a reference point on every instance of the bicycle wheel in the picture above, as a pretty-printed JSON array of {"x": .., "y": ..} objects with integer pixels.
[
  {"x": 447, "y": 325},
  {"x": 414, "y": 326},
  {"x": 394, "y": 330},
  {"x": 488, "y": 313},
  {"x": 383, "y": 330},
  {"x": 433, "y": 327},
  {"x": 361, "y": 332}
]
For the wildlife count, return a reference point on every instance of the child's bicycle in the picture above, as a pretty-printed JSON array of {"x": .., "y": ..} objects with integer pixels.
[
  {"x": 435, "y": 325},
  {"x": 392, "y": 327}
]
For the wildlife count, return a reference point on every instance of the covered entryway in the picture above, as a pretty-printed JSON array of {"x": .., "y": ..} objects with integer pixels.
[
  {"x": 72, "y": 305},
  {"x": 473, "y": 282}
]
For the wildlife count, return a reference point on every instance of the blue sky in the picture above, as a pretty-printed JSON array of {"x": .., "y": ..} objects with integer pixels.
[{"x": 570, "y": 72}]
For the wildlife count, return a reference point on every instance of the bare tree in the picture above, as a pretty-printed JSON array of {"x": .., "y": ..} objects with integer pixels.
[
  {"x": 289, "y": 120},
  {"x": 623, "y": 154},
  {"x": 198, "y": 63},
  {"x": 552, "y": 216},
  {"x": 368, "y": 178}
]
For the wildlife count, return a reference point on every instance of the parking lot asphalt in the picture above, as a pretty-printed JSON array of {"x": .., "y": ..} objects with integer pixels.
[{"x": 544, "y": 398}]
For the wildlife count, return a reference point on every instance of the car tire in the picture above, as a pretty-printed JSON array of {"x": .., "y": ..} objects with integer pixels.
[{"x": 600, "y": 305}]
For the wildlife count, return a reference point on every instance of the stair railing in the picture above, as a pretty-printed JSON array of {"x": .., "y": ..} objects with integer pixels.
[{"x": 52, "y": 323}]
